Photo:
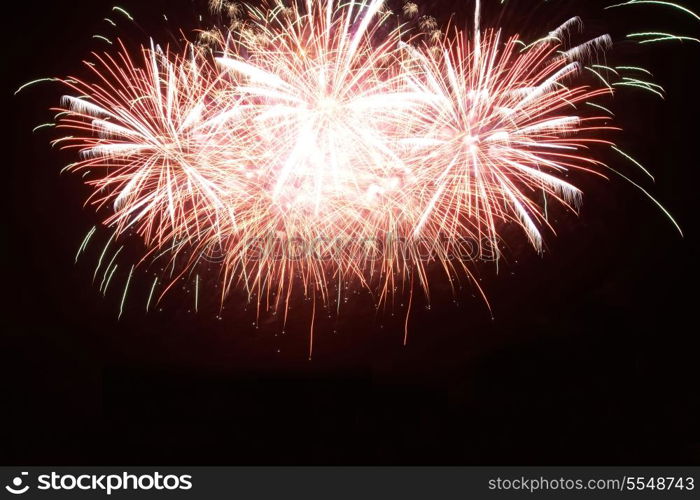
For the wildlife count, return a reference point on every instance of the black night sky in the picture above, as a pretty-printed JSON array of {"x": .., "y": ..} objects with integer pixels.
[{"x": 591, "y": 357}]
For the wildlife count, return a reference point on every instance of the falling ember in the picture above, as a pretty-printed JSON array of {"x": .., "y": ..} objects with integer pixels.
[{"x": 345, "y": 132}]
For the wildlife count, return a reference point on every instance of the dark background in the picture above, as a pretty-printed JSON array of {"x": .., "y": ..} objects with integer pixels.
[{"x": 591, "y": 357}]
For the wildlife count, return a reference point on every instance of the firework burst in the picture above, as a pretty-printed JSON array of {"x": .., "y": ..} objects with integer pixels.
[{"x": 354, "y": 139}]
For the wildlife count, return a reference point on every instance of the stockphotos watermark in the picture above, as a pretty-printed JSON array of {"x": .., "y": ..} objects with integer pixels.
[
  {"x": 279, "y": 246},
  {"x": 100, "y": 483}
]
